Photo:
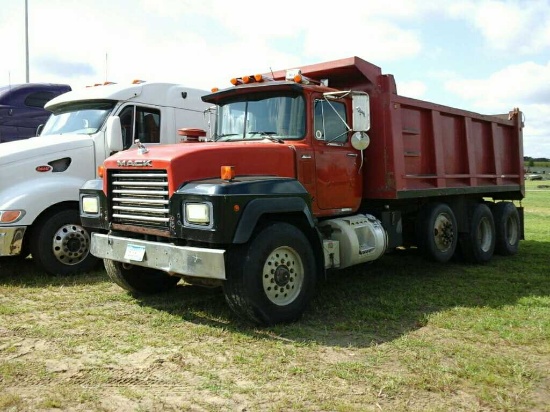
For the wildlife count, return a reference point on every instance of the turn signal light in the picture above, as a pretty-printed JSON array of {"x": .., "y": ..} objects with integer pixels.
[
  {"x": 228, "y": 172},
  {"x": 101, "y": 171}
]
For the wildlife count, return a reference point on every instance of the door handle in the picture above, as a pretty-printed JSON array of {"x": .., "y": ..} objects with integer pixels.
[
  {"x": 351, "y": 154},
  {"x": 306, "y": 156}
]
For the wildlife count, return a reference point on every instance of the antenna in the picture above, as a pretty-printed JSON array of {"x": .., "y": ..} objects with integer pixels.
[
  {"x": 106, "y": 60},
  {"x": 27, "y": 37}
]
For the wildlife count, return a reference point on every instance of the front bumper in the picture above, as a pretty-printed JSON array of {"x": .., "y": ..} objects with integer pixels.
[
  {"x": 11, "y": 240},
  {"x": 182, "y": 260}
]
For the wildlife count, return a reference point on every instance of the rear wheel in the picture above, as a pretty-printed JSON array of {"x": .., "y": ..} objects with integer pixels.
[
  {"x": 478, "y": 245},
  {"x": 507, "y": 227},
  {"x": 61, "y": 246},
  {"x": 271, "y": 278},
  {"x": 138, "y": 279},
  {"x": 436, "y": 232}
]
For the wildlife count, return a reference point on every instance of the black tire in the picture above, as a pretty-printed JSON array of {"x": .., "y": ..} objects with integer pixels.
[
  {"x": 139, "y": 279},
  {"x": 478, "y": 245},
  {"x": 507, "y": 227},
  {"x": 272, "y": 278},
  {"x": 61, "y": 246},
  {"x": 436, "y": 232}
]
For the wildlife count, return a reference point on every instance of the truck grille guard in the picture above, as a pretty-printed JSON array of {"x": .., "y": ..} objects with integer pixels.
[{"x": 140, "y": 199}]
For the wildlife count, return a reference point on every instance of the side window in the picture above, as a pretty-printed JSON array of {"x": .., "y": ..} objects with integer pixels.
[
  {"x": 38, "y": 99},
  {"x": 148, "y": 125},
  {"x": 330, "y": 121},
  {"x": 127, "y": 124}
]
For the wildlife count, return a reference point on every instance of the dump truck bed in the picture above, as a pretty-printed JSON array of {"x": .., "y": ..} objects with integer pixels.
[{"x": 421, "y": 149}]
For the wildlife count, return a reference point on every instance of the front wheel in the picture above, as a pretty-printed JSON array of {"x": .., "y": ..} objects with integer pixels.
[
  {"x": 61, "y": 246},
  {"x": 271, "y": 278},
  {"x": 138, "y": 279}
]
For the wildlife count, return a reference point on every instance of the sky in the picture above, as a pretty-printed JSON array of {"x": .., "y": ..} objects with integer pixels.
[{"x": 486, "y": 56}]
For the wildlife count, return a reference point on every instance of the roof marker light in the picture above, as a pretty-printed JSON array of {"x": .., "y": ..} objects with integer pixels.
[{"x": 228, "y": 172}]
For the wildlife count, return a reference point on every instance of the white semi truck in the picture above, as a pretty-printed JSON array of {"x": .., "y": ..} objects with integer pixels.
[{"x": 40, "y": 177}]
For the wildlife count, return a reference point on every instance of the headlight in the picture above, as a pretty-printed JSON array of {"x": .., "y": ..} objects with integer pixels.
[
  {"x": 11, "y": 216},
  {"x": 90, "y": 205},
  {"x": 197, "y": 213}
]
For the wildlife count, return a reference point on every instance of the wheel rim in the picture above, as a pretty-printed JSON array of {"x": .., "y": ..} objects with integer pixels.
[
  {"x": 484, "y": 235},
  {"x": 283, "y": 276},
  {"x": 512, "y": 231},
  {"x": 71, "y": 244},
  {"x": 443, "y": 232}
]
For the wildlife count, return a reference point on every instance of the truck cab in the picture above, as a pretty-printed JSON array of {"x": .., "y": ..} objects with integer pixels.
[
  {"x": 22, "y": 108},
  {"x": 41, "y": 176}
]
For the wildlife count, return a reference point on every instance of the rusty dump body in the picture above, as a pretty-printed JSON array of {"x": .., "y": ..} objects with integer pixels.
[{"x": 422, "y": 149}]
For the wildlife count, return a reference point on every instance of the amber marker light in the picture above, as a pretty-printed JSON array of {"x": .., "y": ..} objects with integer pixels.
[
  {"x": 9, "y": 216},
  {"x": 100, "y": 171},
  {"x": 214, "y": 89},
  {"x": 236, "y": 208},
  {"x": 228, "y": 172},
  {"x": 234, "y": 81},
  {"x": 298, "y": 78},
  {"x": 246, "y": 79},
  {"x": 258, "y": 77}
]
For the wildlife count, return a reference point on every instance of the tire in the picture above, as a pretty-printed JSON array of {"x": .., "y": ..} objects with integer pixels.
[
  {"x": 478, "y": 245},
  {"x": 507, "y": 227},
  {"x": 272, "y": 278},
  {"x": 61, "y": 246},
  {"x": 436, "y": 231},
  {"x": 138, "y": 279}
]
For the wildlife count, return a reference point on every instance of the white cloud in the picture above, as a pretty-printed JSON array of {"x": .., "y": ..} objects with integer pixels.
[
  {"x": 525, "y": 85},
  {"x": 514, "y": 26},
  {"x": 415, "y": 89}
]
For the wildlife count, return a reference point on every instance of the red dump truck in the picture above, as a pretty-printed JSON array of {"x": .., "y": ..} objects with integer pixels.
[{"x": 309, "y": 170}]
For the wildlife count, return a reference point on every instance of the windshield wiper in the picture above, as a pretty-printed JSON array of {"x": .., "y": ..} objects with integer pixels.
[
  {"x": 221, "y": 137},
  {"x": 268, "y": 135}
]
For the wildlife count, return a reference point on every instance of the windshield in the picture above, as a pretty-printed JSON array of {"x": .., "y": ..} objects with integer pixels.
[
  {"x": 78, "y": 118},
  {"x": 261, "y": 116}
]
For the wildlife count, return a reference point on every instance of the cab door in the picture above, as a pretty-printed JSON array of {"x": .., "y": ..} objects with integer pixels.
[{"x": 337, "y": 163}]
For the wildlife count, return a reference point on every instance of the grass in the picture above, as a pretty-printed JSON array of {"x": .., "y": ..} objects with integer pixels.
[{"x": 400, "y": 334}]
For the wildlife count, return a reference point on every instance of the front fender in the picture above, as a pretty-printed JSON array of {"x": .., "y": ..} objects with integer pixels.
[
  {"x": 256, "y": 208},
  {"x": 36, "y": 195}
]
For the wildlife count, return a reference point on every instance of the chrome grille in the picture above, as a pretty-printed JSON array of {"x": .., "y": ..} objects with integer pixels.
[{"x": 140, "y": 198}]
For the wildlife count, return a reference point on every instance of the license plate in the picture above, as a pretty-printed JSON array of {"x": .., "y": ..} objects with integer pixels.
[{"x": 135, "y": 253}]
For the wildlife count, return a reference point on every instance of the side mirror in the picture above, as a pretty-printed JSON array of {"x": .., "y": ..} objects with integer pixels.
[
  {"x": 114, "y": 134},
  {"x": 39, "y": 129},
  {"x": 361, "y": 112},
  {"x": 360, "y": 141}
]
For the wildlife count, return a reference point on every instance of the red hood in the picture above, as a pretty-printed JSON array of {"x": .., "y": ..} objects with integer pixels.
[{"x": 194, "y": 161}]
